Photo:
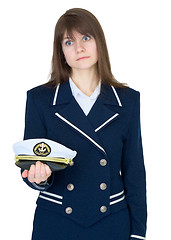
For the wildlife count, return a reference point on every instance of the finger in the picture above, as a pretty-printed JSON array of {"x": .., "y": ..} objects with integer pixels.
[
  {"x": 31, "y": 173},
  {"x": 24, "y": 174},
  {"x": 38, "y": 172},
  {"x": 43, "y": 172},
  {"x": 48, "y": 170}
]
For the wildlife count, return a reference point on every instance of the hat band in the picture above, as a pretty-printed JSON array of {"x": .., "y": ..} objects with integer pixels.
[{"x": 37, "y": 158}]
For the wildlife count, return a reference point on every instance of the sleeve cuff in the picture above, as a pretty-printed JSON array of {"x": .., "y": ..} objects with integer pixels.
[
  {"x": 43, "y": 185},
  {"x": 39, "y": 186}
]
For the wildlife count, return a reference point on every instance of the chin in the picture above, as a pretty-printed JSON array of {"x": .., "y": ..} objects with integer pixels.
[{"x": 85, "y": 66}]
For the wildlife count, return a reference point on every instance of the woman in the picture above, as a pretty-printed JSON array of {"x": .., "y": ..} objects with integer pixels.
[{"x": 103, "y": 194}]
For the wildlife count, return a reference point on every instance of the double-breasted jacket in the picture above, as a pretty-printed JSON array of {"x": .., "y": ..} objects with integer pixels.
[{"x": 108, "y": 173}]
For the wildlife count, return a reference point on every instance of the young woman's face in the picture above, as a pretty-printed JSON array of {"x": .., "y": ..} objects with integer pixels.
[{"x": 80, "y": 52}]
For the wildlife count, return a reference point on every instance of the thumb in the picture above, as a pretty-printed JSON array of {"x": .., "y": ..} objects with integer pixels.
[{"x": 24, "y": 174}]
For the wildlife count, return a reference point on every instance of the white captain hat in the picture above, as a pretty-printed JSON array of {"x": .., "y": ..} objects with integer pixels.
[{"x": 55, "y": 155}]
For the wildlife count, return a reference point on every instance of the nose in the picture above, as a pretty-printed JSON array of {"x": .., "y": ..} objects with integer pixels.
[{"x": 79, "y": 47}]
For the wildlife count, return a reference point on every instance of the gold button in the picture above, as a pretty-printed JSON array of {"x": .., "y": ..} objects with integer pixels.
[
  {"x": 68, "y": 210},
  {"x": 103, "y": 186},
  {"x": 103, "y": 209},
  {"x": 103, "y": 162},
  {"x": 70, "y": 187}
]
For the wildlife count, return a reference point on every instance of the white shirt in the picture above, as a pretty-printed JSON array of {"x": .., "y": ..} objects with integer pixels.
[{"x": 85, "y": 102}]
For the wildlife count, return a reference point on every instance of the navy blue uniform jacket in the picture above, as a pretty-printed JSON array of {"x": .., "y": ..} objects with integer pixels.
[{"x": 108, "y": 173}]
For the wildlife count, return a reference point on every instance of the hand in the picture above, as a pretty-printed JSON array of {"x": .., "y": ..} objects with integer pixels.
[{"x": 37, "y": 173}]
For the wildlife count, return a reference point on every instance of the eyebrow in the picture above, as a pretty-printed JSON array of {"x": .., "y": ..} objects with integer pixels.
[{"x": 66, "y": 38}]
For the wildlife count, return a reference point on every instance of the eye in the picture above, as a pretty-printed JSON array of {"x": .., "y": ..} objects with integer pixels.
[
  {"x": 86, "y": 38},
  {"x": 69, "y": 43}
]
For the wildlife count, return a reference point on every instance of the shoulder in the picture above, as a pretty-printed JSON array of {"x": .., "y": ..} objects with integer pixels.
[
  {"x": 41, "y": 93},
  {"x": 128, "y": 96},
  {"x": 41, "y": 90}
]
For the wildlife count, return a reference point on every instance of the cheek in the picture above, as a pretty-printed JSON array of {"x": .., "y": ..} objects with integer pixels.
[
  {"x": 96, "y": 54},
  {"x": 68, "y": 56},
  {"x": 94, "y": 50}
]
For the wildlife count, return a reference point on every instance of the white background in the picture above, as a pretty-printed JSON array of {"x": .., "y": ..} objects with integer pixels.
[{"x": 139, "y": 44}]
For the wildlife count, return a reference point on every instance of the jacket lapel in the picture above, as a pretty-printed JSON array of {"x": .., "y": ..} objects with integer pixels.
[
  {"x": 69, "y": 111},
  {"x": 102, "y": 113},
  {"x": 106, "y": 109}
]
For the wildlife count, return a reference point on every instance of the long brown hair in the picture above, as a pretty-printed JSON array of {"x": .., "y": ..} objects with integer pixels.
[{"x": 86, "y": 23}]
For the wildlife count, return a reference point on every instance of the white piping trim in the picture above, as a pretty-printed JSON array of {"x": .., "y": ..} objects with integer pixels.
[
  {"x": 116, "y": 201},
  {"x": 56, "y": 93},
  {"x": 49, "y": 199},
  {"x": 139, "y": 237},
  {"x": 97, "y": 129},
  {"x": 117, "y": 194},
  {"x": 117, "y": 97},
  {"x": 52, "y": 194},
  {"x": 72, "y": 125}
]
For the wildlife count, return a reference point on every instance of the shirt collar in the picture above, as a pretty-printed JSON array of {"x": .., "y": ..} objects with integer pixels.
[{"x": 77, "y": 92}]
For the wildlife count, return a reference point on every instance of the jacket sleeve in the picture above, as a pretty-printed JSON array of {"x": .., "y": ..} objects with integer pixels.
[
  {"x": 35, "y": 128},
  {"x": 134, "y": 176}
]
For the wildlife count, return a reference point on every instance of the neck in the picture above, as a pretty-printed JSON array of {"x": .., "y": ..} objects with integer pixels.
[{"x": 85, "y": 80}]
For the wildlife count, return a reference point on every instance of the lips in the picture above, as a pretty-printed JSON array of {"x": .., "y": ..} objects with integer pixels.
[{"x": 81, "y": 58}]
